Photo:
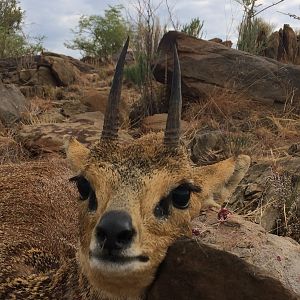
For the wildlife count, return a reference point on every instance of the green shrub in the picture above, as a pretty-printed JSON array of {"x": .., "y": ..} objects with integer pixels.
[
  {"x": 253, "y": 35},
  {"x": 194, "y": 28},
  {"x": 137, "y": 73}
]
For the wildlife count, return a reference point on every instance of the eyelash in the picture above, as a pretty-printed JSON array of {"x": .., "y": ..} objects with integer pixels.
[{"x": 179, "y": 197}]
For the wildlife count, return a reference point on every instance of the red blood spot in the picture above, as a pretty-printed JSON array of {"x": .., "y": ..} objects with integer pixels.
[
  {"x": 195, "y": 231},
  {"x": 223, "y": 214},
  {"x": 278, "y": 258}
]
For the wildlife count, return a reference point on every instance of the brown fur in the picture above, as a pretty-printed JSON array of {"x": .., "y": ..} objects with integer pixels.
[{"x": 39, "y": 227}]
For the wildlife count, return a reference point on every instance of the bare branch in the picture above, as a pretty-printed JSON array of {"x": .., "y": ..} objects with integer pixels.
[
  {"x": 170, "y": 15},
  {"x": 290, "y": 15},
  {"x": 267, "y": 7}
]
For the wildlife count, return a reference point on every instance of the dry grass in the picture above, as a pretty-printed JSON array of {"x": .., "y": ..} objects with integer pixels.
[
  {"x": 219, "y": 105},
  {"x": 248, "y": 126},
  {"x": 37, "y": 112},
  {"x": 11, "y": 151}
]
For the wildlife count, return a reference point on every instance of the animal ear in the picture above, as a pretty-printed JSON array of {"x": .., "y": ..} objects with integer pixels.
[
  {"x": 77, "y": 154},
  {"x": 219, "y": 181}
]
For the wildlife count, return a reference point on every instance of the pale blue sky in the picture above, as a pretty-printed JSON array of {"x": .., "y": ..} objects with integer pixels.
[{"x": 54, "y": 19}]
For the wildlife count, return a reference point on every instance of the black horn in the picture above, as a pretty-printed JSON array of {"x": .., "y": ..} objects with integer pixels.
[
  {"x": 111, "y": 119},
  {"x": 172, "y": 131}
]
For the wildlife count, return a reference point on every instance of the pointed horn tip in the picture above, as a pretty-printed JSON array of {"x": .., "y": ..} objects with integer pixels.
[{"x": 114, "y": 98}]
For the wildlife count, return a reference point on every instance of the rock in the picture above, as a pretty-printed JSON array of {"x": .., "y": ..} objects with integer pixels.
[
  {"x": 220, "y": 41},
  {"x": 158, "y": 122},
  {"x": 207, "y": 66},
  {"x": 62, "y": 70},
  {"x": 36, "y": 91},
  {"x": 216, "y": 40},
  {"x": 12, "y": 103},
  {"x": 206, "y": 147},
  {"x": 36, "y": 61},
  {"x": 70, "y": 108},
  {"x": 273, "y": 43},
  {"x": 253, "y": 191},
  {"x": 289, "y": 38},
  {"x": 270, "y": 196},
  {"x": 233, "y": 260},
  {"x": 284, "y": 46},
  {"x": 85, "y": 127},
  {"x": 38, "y": 115},
  {"x": 47, "y": 69},
  {"x": 96, "y": 100},
  {"x": 227, "y": 44},
  {"x": 32, "y": 77},
  {"x": 211, "y": 146}
]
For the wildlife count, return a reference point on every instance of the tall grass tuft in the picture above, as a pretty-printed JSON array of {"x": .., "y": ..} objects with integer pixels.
[
  {"x": 137, "y": 73},
  {"x": 253, "y": 35}
]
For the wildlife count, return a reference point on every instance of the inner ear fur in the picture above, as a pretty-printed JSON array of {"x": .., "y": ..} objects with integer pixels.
[
  {"x": 77, "y": 154},
  {"x": 220, "y": 180}
]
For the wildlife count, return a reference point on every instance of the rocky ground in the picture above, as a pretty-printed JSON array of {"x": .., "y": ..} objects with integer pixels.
[{"x": 233, "y": 103}]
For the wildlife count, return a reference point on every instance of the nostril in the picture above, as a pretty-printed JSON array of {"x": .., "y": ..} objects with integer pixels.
[
  {"x": 125, "y": 237},
  {"x": 101, "y": 235}
]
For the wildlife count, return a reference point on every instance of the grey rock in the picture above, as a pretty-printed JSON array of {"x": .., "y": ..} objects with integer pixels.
[
  {"x": 12, "y": 103},
  {"x": 234, "y": 260}
]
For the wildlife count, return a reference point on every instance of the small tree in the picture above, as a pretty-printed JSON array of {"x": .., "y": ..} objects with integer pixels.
[
  {"x": 11, "y": 15},
  {"x": 194, "y": 28},
  {"x": 99, "y": 36},
  {"x": 13, "y": 42}
]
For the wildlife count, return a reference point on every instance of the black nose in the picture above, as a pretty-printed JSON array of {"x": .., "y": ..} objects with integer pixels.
[{"x": 115, "y": 230}]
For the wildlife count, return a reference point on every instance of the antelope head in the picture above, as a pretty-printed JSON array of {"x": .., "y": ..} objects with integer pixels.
[{"x": 138, "y": 197}]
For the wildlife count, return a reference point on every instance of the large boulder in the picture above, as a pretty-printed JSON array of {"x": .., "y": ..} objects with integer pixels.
[
  {"x": 12, "y": 103},
  {"x": 232, "y": 260},
  {"x": 63, "y": 71},
  {"x": 289, "y": 41},
  {"x": 209, "y": 66}
]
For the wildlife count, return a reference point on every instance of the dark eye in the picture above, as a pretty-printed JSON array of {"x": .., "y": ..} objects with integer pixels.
[
  {"x": 83, "y": 186},
  {"x": 182, "y": 194},
  {"x": 85, "y": 191},
  {"x": 179, "y": 197}
]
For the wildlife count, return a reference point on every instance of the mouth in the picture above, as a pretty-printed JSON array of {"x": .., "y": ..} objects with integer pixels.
[{"x": 119, "y": 259}]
